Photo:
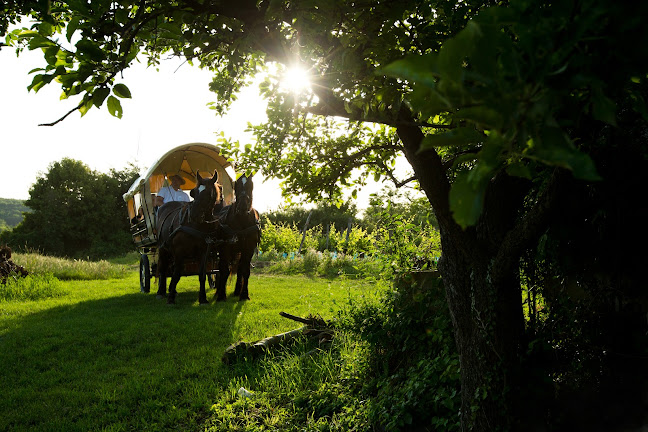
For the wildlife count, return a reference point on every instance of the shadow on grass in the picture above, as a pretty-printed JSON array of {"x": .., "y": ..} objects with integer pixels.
[{"x": 128, "y": 362}]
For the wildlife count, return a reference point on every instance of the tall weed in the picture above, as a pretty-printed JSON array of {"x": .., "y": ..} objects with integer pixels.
[{"x": 67, "y": 269}]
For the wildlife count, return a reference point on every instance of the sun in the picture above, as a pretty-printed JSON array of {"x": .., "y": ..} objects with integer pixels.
[{"x": 295, "y": 79}]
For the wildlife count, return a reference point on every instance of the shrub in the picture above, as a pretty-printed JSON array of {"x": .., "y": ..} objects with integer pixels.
[{"x": 412, "y": 373}]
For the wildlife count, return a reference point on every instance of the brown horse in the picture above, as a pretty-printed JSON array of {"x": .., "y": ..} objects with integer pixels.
[
  {"x": 241, "y": 232},
  {"x": 186, "y": 231}
]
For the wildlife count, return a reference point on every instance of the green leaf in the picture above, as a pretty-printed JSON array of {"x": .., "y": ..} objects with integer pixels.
[
  {"x": 604, "y": 109},
  {"x": 518, "y": 169},
  {"x": 451, "y": 58},
  {"x": 72, "y": 26},
  {"x": 46, "y": 29},
  {"x": 37, "y": 83},
  {"x": 428, "y": 101},
  {"x": 25, "y": 34},
  {"x": 556, "y": 149},
  {"x": 455, "y": 137},
  {"x": 90, "y": 49},
  {"x": 467, "y": 200},
  {"x": 99, "y": 96},
  {"x": 415, "y": 68},
  {"x": 481, "y": 115},
  {"x": 121, "y": 91},
  {"x": 86, "y": 107},
  {"x": 39, "y": 41},
  {"x": 114, "y": 107}
]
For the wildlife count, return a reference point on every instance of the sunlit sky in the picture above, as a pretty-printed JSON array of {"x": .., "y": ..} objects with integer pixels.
[{"x": 168, "y": 108}]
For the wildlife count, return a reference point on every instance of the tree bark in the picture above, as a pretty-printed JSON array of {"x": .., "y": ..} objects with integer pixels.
[{"x": 479, "y": 268}]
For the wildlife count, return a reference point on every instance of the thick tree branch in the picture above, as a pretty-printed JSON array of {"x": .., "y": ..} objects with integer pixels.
[
  {"x": 428, "y": 168},
  {"x": 531, "y": 225},
  {"x": 359, "y": 116}
]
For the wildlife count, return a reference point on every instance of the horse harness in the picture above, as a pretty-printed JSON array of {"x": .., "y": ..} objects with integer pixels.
[{"x": 182, "y": 216}]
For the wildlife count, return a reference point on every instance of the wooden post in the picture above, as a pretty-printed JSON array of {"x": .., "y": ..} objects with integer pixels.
[
  {"x": 328, "y": 234},
  {"x": 304, "y": 233},
  {"x": 346, "y": 242}
]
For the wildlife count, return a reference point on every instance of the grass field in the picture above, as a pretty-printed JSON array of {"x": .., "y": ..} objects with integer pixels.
[{"x": 104, "y": 357}]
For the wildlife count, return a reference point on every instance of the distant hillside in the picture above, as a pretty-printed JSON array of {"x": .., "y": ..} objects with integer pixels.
[{"x": 11, "y": 212}]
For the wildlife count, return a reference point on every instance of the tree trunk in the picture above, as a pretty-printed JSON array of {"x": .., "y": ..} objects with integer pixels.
[
  {"x": 479, "y": 268},
  {"x": 487, "y": 319}
]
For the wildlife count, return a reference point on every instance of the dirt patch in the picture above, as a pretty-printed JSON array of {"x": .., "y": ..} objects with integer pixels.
[{"x": 9, "y": 268}]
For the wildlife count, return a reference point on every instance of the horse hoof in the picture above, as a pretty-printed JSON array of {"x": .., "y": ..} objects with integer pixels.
[
  {"x": 170, "y": 302},
  {"x": 221, "y": 299},
  {"x": 159, "y": 296},
  {"x": 244, "y": 298}
]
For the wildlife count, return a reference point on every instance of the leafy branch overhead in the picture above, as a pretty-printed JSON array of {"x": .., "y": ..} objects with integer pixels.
[{"x": 491, "y": 89}]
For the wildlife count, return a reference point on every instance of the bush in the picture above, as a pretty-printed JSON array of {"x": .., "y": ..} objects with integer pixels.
[
  {"x": 412, "y": 373},
  {"x": 31, "y": 287},
  {"x": 327, "y": 264}
]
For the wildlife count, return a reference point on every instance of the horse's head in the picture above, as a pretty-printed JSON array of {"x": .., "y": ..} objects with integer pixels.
[
  {"x": 243, "y": 190},
  {"x": 205, "y": 195}
]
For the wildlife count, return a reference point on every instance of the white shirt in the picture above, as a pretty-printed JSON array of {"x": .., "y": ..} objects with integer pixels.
[{"x": 169, "y": 194}]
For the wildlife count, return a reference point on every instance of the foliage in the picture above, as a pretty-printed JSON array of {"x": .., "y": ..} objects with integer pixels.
[
  {"x": 329, "y": 265},
  {"x": 322, "y": 214},
  {"x": 76, "y": 212},
  {"x": 588, "y": 281},
  {"x": 11, "y": 212},
  {"x": 406, "y": 204},
  {"x": 413, "y": 367},
  {"x": 404, "y": 246},
  {"x": 30, "y": 288},
  {"x": 282, "y": 238},
  {"x": 537, "y": 63},
  {"x": 68, "y": 269}
]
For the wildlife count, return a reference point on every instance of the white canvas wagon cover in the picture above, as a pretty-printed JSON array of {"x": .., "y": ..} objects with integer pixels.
[{"x": 186, "y": 160}]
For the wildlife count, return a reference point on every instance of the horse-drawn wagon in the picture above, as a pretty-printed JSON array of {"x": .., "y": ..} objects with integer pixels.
[{"x": 186, "y": 161}]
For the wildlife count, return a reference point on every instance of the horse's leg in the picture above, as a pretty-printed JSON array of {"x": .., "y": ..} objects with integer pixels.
[
  {"x": 177, "y": 269},
  {"x": 163, "y": 262},
  {"x": 223, "y": 273},
  {"x": 236, "y": 268},
  {"x": 243, "y": 273},
  {"x": 202, "y": 275}
]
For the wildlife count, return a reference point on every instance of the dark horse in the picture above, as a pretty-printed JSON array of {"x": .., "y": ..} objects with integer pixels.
[
  {"x": 185, "y": 231},
  {"x": 241, "y": 232}
]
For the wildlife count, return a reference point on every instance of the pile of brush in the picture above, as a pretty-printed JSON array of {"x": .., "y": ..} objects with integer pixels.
[{"x": 7, "y": 267}]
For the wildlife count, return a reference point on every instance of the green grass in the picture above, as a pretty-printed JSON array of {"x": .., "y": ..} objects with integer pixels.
[
  {"x": 32, "y": 287},
  {"x": 105, "y": 357},
  {"x": 68, "y": 269}
]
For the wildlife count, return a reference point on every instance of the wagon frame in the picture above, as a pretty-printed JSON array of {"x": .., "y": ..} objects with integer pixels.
[{"x": 184, "y": 160}]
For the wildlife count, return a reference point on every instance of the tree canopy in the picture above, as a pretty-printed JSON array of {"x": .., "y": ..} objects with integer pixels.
[
  {"x": 500, "y": 108},
  {"x": 76, "y": 212}
]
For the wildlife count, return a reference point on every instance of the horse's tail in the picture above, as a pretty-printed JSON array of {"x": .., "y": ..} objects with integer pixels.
[{"x": 233, "y": 269}]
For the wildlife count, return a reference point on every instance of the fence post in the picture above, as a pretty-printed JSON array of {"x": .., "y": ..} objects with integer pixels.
[
  {"x": 304, "y": 233},
  {"x": 346, "y": 242},
  {"x": 328, "y": 234}
]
